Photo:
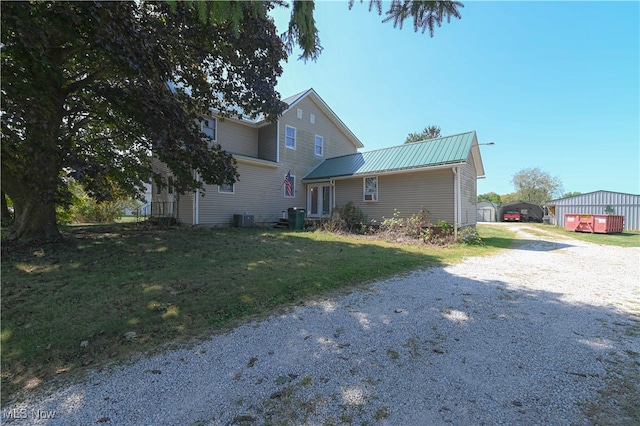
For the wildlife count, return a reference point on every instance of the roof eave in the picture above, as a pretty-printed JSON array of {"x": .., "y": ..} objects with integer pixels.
[{"x": 389, "y": 172}]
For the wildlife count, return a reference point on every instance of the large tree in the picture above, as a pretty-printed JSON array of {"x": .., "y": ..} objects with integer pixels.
[
  {"x": 91, "y": 89},
  {"x": 491, "y": 197},
  {"x": 429, "y": 132},
  {"x": 536, "y": 186}
]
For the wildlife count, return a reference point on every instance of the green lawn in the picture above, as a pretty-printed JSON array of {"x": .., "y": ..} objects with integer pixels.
[
  {"x": 108, "y": 292},
  {"x": 624, "y": 239}
]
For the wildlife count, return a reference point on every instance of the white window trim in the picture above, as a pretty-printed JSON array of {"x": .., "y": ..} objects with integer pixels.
[
  {"x": 312, "y": 118},
  {"x": 233, "y": 189},
  {"x": 299, "y": 113},
  {"x": 294, "y": 137},
  {"x": 293, "y": 188},
  {"x": 364, "y": 190},
  {"x": 215, "y": 128},
  {"x": 315, "y": 145}
]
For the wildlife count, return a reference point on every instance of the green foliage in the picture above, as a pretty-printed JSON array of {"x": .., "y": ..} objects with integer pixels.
[
  {"x": 536, "y": 186},
  {"x": 96, "y": 102},
  {"x": 429, "y": 132},
  {"x": 570, "y": 194},
  {"x": 302, "y": 31},
  {"x": 413, "y": 227},
  {"x": 84, "y": 209},
  {"x": 418, "y": 227},
  {"x": 491, "y": 197},
  {"x": 349, "y": 219},
  {"x": 425, "y": 14}
]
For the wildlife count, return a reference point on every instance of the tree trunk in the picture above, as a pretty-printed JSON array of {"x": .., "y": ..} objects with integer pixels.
[
  {"x": 35, "y": 216},
  {"x": 35, "y": 221}
]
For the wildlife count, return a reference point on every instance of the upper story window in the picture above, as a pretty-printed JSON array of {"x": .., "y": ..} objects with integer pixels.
[
  {"x": 312, "y": 118},
  {"x": 225, "y": 188},
  {"x": 290, "y": 137},
  {"x": 319, "y": 146},
  {"x": 170, "y": 185},
  {"x": 371, "y": 188},
  {"x": 299, "y": 113},
  {"x": 209, "y": 127}
]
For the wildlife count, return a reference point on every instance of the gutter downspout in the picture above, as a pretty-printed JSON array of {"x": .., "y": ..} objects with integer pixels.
[
  {"x": 333, "y": 194},
  {"x": 196, "y": 202},
  {"x": 277, "y": 141},
  {"x": 456, "y": 204}
]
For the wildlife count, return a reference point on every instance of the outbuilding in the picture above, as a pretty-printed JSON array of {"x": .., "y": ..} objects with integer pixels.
[
  {"x": 529, "y": 212},
  {"x": 487, "y": 211},
  {"x": 597, "y": 202}
]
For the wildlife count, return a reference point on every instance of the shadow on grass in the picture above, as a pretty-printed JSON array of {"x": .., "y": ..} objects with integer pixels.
[
  {"x": 514, "y": 354},
  {"x": 107, "y": 292}
]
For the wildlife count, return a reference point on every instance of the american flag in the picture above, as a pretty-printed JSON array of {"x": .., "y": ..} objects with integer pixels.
[{"x": 288, "y": 183}]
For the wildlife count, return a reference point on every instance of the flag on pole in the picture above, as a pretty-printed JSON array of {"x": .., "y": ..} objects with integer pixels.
[{"x": 288, "y": 183}]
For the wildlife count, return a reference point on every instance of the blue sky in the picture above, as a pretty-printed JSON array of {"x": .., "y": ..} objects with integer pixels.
[{"x": 554, "y": 84}]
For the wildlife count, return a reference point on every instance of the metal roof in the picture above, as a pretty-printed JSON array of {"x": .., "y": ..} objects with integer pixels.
[{"x": 430, "y": 153}]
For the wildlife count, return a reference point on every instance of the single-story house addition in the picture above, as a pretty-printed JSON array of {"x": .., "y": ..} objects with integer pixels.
[
  {"x": 438, "y": 176},
  {"x": 309, "y": 159}
]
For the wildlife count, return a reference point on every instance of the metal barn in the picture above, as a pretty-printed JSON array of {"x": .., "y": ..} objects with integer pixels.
[
  {"x": 598, "y": 202},
  {"x": 529, "y": 211}
]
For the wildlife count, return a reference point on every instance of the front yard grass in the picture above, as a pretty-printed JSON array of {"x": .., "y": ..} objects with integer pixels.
[
  {"x": 623, "y": 239},
  {"x": 109, "y": 292}
]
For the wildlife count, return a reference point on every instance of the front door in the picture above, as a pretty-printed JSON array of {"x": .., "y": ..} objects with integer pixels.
[{"x": 319, "y": 204}]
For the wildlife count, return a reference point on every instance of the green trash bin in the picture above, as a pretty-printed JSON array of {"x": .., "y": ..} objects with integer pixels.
[{"x": 296, "y": 218}]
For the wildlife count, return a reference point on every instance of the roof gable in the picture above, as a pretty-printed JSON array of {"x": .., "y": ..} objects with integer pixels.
[
  {"x": 293, "y": 100},
  {"x": 448, "y": 150}
]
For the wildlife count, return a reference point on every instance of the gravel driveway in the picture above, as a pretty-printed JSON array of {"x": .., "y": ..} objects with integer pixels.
[{"x": 545, "y": 333}]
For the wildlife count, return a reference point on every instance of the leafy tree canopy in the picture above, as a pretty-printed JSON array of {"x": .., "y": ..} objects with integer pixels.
[
  {"x": 429, "y": 132},
  {"x": 536, "y": 186},
  {"x": 491, "y": 197},
  {"x": 570, "y": 194},
  {"x": 509, "y": 198},
  {"x": 85, "y": 91}
]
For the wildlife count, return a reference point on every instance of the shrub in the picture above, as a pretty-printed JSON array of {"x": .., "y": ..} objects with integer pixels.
[
  {"x": 83, "y": 208},
  {"x": 349, "y": 218}
]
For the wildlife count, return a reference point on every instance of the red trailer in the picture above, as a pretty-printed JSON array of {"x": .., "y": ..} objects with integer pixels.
[{"x": 594, "y": 223}]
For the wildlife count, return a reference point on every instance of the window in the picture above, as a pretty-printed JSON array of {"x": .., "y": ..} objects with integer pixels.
[
  {"x": 319, "y": 145},
  {"x": 299, "y": 113},
  {"x": 170, "y": 185},
  {"x": 209, "y": 127},
  {"x": 289, "y": 186},
  {"x": 225, "y": 188},
  {"x": 371, "y": 188},
  {"x": 312, "y": 118},
  {"x": 290, "y": 137}
]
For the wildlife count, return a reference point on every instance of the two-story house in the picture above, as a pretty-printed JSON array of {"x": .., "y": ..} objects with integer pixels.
[
  {"x": 309, "y": 159},
  {"x": 272, "y": 160}
]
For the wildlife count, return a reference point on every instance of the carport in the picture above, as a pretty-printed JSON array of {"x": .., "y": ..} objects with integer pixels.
[{"x": 530, "y": 212}]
